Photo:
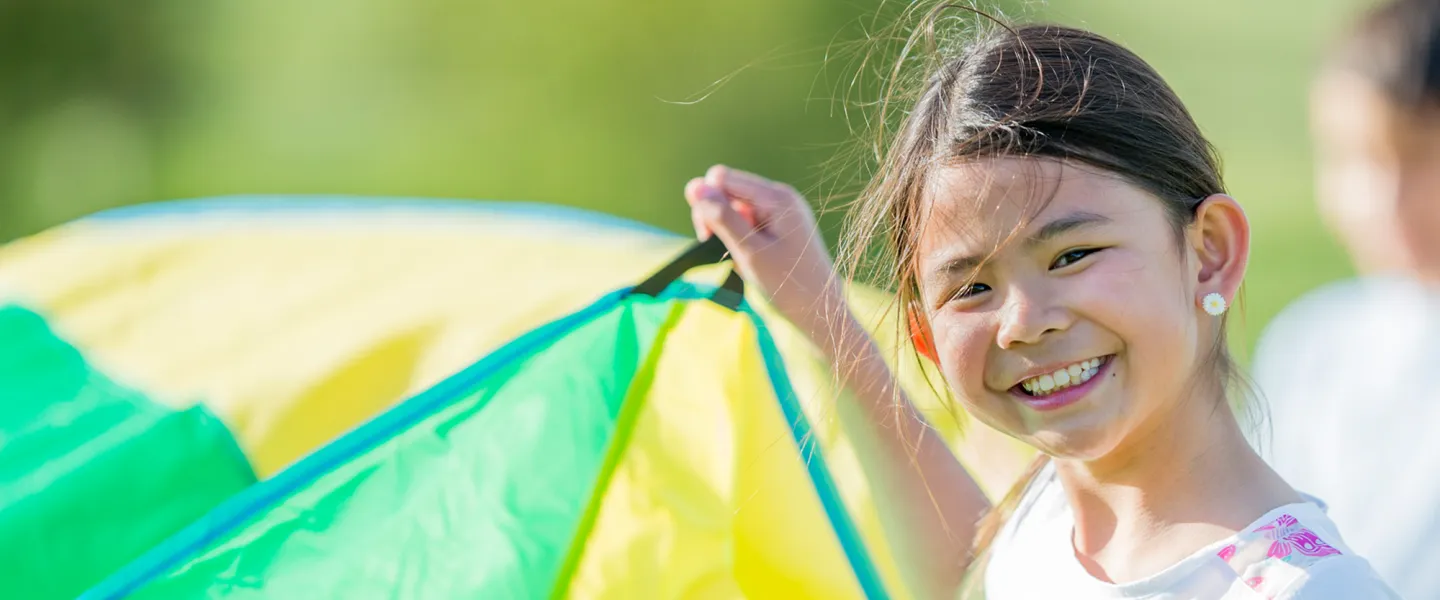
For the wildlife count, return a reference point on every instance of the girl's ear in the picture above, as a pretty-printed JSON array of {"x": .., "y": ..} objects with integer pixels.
[
  {"x": 1220, "y": 238},
  {"x": 920, "y": 336}
]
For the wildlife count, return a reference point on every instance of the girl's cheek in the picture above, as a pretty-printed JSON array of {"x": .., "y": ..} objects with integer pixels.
[
  {"x": 962, "y": 345},
  {"x": 1130, "y": 298},
  {"x": 1106, "y": 293},
  {"x": 1152, "y": 315}
]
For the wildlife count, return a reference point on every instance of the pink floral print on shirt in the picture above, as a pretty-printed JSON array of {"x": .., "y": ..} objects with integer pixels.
[
  {"x": 1227, "y": 553},
  {"x": 1269, "y": 557},
  {"x": 1287, "y": 536}
]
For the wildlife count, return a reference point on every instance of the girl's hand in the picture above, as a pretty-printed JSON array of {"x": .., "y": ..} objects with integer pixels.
[{"x": 771, "y": 234}]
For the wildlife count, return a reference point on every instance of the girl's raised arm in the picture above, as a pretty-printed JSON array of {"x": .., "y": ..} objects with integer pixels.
[{"x": 929, "y": 504}]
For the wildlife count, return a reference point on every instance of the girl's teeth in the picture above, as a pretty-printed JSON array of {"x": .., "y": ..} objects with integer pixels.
[{"x": 1072, "y": 375}]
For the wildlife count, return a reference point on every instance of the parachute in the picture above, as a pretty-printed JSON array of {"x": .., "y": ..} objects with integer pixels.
[{"x": 286, "y": 397}]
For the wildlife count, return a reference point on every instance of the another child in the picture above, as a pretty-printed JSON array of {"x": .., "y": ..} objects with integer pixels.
[
  {"x": 1058, "y": 227},
  {"x": 1344, "y": 369}
]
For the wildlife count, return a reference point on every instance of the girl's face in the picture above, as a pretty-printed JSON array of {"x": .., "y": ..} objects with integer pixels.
[
  {"x": 1377, "y": 175},
  {"x": 1081, "y": 328}
]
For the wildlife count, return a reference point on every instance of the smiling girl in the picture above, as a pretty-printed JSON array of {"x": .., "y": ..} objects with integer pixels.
[{"x": 1060, "y": 235}]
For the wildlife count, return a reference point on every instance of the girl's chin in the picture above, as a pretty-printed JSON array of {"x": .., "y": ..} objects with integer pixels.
[
  {"x": 1086, "y": 434},
  {"x": 1076, "y": 441}
]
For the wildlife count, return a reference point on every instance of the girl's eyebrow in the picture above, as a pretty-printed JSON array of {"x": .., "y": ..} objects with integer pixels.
[
  {"x": 1053, "y": 229},
  {"x": 1073, "y": 221}
]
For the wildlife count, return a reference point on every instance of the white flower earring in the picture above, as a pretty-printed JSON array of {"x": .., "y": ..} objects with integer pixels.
[{"x": 1214, "y": 304}]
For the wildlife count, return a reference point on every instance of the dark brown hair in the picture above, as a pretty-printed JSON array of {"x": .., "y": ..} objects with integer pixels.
[
  {"x": 1396, "y": 47},
  {"x": 1039, "y": 91}
]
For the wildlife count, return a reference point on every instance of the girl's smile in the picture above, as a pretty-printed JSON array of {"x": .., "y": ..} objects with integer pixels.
[{"x": 1062, "y": 386}]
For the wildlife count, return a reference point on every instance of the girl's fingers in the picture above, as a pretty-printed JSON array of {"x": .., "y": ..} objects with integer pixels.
[
  {"x": 716, "y": 213},
  {"x": 748, "y": 186}
]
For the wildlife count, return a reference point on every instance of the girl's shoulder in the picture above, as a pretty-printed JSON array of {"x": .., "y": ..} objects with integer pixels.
[{"x": 1295, "y": 552}]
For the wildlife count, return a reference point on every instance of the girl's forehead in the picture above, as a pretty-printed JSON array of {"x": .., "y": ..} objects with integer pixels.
[{"x": 980, "y": 204}]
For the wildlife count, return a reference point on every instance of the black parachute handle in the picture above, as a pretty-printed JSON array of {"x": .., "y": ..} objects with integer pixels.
[{"x": 707, "y": 252}]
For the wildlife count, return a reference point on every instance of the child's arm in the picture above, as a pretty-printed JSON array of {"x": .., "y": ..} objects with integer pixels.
[{"x": 929, "y": 503}]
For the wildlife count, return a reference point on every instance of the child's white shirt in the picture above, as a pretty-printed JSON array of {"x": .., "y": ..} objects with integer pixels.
[{"x": 1291, "y": 553}]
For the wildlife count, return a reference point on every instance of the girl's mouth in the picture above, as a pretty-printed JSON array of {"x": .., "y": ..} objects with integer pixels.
[{"x": 1062, "y": 387}]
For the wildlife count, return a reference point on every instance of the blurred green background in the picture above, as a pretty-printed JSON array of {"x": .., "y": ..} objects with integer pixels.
[{"x": 589, "y": 103}]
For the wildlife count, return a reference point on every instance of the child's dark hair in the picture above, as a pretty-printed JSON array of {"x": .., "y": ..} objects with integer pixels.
[
  {"x": 1396, "y": 47},
  {"x": 1035, "y": 91}
]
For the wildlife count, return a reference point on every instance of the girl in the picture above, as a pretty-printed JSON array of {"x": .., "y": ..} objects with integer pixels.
[{"x": 1062, "y": 240}]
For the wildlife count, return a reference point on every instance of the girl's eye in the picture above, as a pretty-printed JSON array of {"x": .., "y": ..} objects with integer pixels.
[
  {"x": 973, "y": 289},
  {"x": 1073, "y": 256}
]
